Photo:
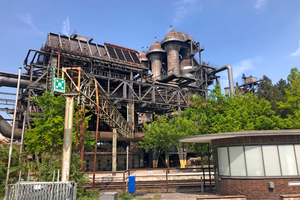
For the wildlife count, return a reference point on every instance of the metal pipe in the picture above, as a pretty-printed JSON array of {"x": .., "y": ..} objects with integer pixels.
[
  {"x": 67, "y": 146},
  {"x": 12, "y": 82},
  {"x": 6, "y": 129},
  {"x": 23, "y": 132},
  {"x": 230, "y": 75},
  {"x": 12, "y": 133}
]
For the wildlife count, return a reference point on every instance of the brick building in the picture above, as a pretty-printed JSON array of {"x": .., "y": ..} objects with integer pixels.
[{"x": 257, "y": 164}]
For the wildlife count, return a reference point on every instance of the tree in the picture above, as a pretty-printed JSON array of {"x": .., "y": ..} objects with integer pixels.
[
  {"x": 14, "y": 166},
  {"x": 46, "y": 140},
  {"x": 273, "y": 93},
  {"x": 163, "y": 133},
  {"x": 292, "y": 100},
  {"x": 48, "y": 126}
]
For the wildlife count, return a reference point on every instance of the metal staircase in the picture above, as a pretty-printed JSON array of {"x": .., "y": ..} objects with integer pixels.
[{"x": 93, "y": 95}]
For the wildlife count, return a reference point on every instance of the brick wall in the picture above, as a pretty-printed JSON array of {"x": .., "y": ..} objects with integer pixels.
[{"x": 255, "y": 189}]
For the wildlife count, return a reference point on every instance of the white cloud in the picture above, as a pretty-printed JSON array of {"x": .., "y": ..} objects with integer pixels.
[
  {"x": 28, "y": 20},
  {"x": 183, "y": 9},
  {"x": 297, "y": 52},
  {"x": 66, "y": 27},
  {"x": 259, "y": 4}
]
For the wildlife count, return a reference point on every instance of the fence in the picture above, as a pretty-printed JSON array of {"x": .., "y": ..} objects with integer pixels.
[
  {"x": 42, "y": 191},
  {"x": 154, "y": 178}
]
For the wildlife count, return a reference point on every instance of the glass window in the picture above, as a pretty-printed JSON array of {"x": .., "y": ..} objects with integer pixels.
[
  {"x": 271, "y": 160},
  {"x": 254, "y": 161},
  {"x": 287, "y": 160},
  {"x": 223, "y": 161},
  {"x": 237, "y": 161},
  {"x": 297, "y": 150}
]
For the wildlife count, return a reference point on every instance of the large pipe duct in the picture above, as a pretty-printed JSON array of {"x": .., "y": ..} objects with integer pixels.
[
  {"x": 6, "y": 129},
  {"x": 230, "y": 75},
  {"x": 12, "y": 82}
]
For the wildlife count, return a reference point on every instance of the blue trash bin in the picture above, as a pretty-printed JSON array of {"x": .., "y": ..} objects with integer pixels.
[{"x": 131, "y": 184}]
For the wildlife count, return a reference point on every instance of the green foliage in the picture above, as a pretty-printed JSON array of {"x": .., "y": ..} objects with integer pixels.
[
  {"x": 126, "y": 196},
  {"x": 45, "y": 140},
  {"x": 14, "y": 166},
  {"x": 217, "y": 114},
  {"x": 44, "y": 168},
  {"x": 273, "y": 93},
  {"x": 48, "y": 127},
  {"x": 237, "y": 113},
  {"x": 292, "y": 100},
  {"x": 163, "y": 133}
]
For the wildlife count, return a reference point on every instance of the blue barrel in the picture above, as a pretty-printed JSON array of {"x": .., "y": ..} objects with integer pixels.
[{"x": 131, "y": 184}]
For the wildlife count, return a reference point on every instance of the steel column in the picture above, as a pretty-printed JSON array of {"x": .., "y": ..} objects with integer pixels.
[
  {"x": 114, "y": 150},
  {"x": 67, "y": 146}
]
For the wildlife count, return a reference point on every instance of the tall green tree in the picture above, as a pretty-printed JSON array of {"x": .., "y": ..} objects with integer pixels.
[
  {"x": 273, "y": 93},
  {"x": 236, "y": 113},
  {"x": 292, "y": 100},
  {"x": 163, "y": 133},
  {"x": 46, "y": 134}
]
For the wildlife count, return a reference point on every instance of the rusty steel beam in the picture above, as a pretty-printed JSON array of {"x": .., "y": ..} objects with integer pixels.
[
  {"x": 82, "y": 132},
  {"x": 96, "y": 134},
  {"x": 77, "y": 130}
]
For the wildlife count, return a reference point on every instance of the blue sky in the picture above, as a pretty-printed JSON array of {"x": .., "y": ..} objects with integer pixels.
[{"x": 255, "y": 37}]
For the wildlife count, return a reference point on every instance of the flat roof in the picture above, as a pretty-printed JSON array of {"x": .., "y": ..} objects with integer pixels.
[{"x": 209, "y": 137}]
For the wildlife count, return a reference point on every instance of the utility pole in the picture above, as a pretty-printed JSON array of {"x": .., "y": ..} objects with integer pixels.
[
  {"x": 68, "y": 129},
  {"x": 12, "y": 134}
]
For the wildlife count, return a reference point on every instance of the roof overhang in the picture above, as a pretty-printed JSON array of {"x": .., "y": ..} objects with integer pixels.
[{"x": 209, "y": 137}]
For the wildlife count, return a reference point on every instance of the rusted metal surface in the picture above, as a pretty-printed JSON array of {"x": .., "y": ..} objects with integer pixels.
[
  {"x": 67, "y": 145},
  {"x": 167, "y": 180},
  {"x": 84, "y": 84},
  {"x": 96, "y": 134},
  {"x": 82, "y": 132},
  {"x": 58, "y": 64},
  {"x": 77, "y": 129}
]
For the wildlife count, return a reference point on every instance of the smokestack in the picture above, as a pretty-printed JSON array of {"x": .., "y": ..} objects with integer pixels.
[{"x": 156, "y": 55}]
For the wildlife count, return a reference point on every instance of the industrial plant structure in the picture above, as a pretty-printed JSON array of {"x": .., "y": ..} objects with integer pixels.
[{"x": 113, "y": 82}]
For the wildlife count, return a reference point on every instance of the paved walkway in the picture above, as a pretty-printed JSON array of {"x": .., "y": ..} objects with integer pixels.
[{"x": 172, "y": 196}]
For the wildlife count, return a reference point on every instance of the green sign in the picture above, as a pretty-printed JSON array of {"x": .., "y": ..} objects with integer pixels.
[{"x": 59, "y": 85}]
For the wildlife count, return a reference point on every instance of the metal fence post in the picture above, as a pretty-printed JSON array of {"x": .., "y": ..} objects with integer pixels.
[
  {"x": 52, "y": 185},
  {"x": 167, "y": 179},
  {"x": 28, "y": 176},
  {"x": 124, "y": 182},
  {"x": 17, "y": 196},
  {"x": 201, "y": 185},
  {"x": 204, "y": 177}
]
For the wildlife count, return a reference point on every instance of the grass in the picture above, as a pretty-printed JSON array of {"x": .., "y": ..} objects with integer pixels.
[{"x": 156, "y": 197}]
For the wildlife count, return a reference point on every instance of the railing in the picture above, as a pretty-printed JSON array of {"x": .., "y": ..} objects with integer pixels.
[
  {"x": 161, "y": 178},
  {"x": 42, "y": 191}
]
